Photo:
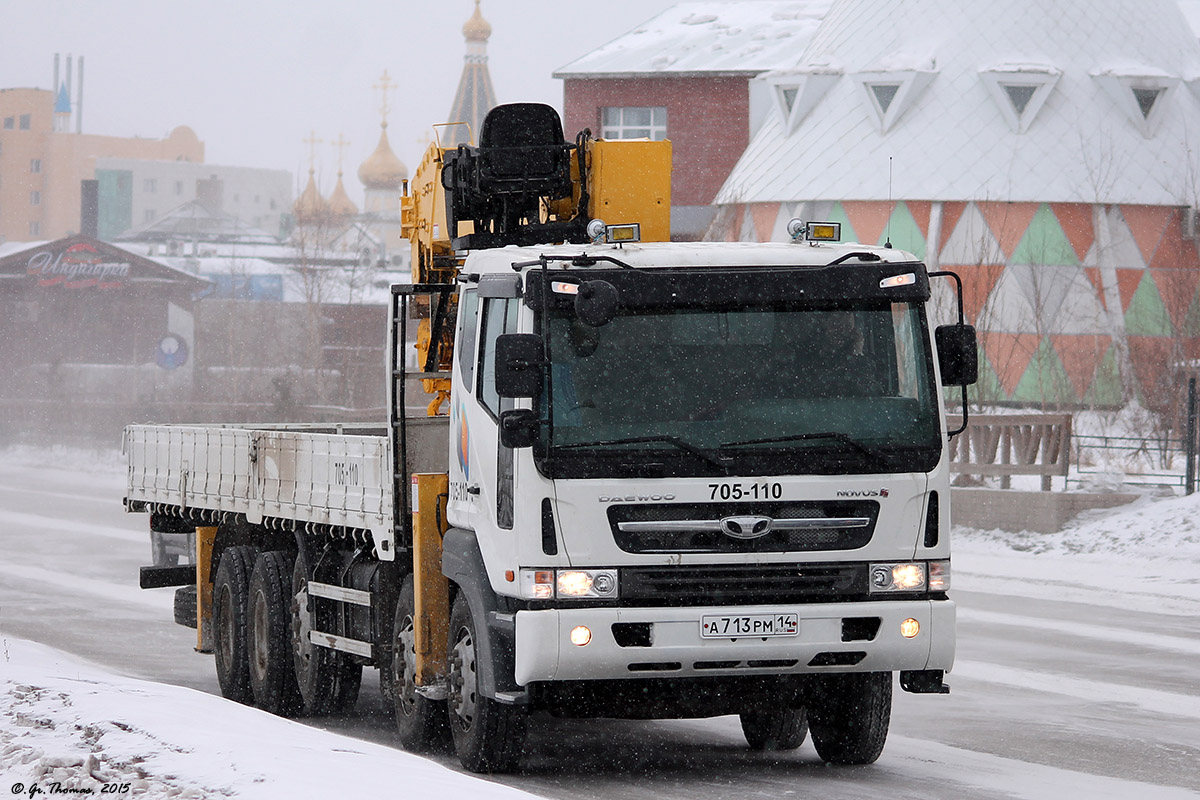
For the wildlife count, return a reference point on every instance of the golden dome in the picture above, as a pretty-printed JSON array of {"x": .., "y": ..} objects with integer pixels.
[
  {"x": 340, "y": 204},
  {"x": 382, "y": 170},
  {"x": 477, "y": 28},
  {"x": 310, "y": 206}
]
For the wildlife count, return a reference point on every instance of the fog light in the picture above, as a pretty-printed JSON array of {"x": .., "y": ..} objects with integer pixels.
[
  {"x": 908, "y": 629},
  {"x": 581, "y": 635}
]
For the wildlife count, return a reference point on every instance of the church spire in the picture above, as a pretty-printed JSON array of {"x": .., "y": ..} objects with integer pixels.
[{"x": 475, "y": 95}]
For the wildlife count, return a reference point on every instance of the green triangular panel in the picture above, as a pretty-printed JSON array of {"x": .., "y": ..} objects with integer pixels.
[
  {"x": 838, "y": 214},
  {"x": 1044, "y": 242},
  {"x": 1191, "y": 323},
  {"x": 1106, "y": 385},
  {"x": 1045, "y": 380},
  {"x": 904, "y": 232},
  {"x": 1147, "y": 316}
]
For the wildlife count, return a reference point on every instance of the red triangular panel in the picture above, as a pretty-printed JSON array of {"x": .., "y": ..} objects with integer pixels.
[
  {"x": 1175, "y": 252},
  {"x": 1176, "y": 287},
  {"x": 1128, "y": 281},
  {"x": 951, "y": 213},
  {"x": 1151, "y": 357},
  {"x": 1146, "y": 223},
  {"x": 1075, "y": 219},
  {"x": 978, "y": 282},
  {"x": 1093, "y": 275},
  {"x": 919, "y": 209},
  {"x": 1080, "y": 355},
  {"x": 869, "y": 218},
  {"x": 764, "y": 219},
  {"x": 1009, "y": 354},
  {"x": 1008, "y": 222}
]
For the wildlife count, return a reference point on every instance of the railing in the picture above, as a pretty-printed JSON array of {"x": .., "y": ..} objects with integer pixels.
[{"x": 1012, "y": 444}]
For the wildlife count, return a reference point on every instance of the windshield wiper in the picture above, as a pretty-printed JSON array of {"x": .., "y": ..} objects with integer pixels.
[
  {"x": 801, "y": 437},
  {"x": 716, "y": 461}
]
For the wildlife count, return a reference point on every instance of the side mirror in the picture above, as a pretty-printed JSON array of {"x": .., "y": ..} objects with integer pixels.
[
  {"x": 520, "y": 361},
  {"x": 596, "y": 303},
  {"x": 518, "y": 427},
  {"x": 958, "y": 357}
]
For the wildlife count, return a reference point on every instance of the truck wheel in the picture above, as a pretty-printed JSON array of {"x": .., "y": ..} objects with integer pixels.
[
  {"x": 420, "y": 721},
  {"x": 316, "y": 667},
  {"x": 272, "y": 669},
  {"x": 849, "y": 717},
  {"x": 778, "y": 729},
  {"x": 229, "y": 617},
  {"x": 488, "y": 736}
]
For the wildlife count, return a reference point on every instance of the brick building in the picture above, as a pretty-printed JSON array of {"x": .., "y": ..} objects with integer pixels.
[{"x": 688, "y": 75}]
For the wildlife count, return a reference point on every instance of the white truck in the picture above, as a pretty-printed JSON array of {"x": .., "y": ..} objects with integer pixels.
[{"x": 656, "y": 480}]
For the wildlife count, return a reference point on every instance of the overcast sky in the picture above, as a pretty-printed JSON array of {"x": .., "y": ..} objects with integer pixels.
[{"x": 253, "y": 77}]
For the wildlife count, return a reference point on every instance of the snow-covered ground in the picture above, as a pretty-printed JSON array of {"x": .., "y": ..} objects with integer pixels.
[
  {"x": 1076, "y": 676},
  {"x": 70, "y": 724}
]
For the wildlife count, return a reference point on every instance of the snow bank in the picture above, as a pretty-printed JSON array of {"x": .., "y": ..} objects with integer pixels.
[
  {"x": 1144, "y": 556},
  {"x": 70, "y": 723}
]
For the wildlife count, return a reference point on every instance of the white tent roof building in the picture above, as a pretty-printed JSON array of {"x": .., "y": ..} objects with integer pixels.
[{"x": 1046, "y": 150}]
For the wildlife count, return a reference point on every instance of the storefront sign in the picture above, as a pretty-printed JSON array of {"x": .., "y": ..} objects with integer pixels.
[{"x": 80, "y": 266}]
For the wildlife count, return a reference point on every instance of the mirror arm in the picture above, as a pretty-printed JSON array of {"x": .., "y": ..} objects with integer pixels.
[{"x": 962, "y": 319}]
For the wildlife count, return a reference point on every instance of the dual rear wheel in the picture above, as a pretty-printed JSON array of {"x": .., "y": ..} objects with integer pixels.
[{"x": 262, "y": 651}]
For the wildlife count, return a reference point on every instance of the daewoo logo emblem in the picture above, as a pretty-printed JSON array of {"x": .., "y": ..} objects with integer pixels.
[{"x": 746, "y": 527}]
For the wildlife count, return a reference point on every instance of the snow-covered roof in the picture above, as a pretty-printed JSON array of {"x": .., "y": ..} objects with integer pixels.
[
  {"x": 1020, "y": 100},
  {"x": 741, "y": 38}
]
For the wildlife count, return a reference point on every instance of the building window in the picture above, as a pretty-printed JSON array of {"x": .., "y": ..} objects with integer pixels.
[
  {"x": 148, "y": 215},
  {"x": 178, "y": 187},
  {"x": 24, "y": 122},
  {"x": 149, "y": 185},
  {"x": 631, "y": 122},
  {"x": 35, "y": 165},
  {"x": 35, "y": 198},
  {"x": 9, "y": 122},
  {"x": 35, "y": 229}
]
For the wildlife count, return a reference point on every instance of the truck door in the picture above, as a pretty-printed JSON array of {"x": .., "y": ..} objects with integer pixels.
[{"x": 495, "y": 462}]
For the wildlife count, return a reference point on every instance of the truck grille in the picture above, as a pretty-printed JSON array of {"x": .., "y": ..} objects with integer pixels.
[
  {"x": 736, "y": 584},
  {"x": 696, "y": 527}
]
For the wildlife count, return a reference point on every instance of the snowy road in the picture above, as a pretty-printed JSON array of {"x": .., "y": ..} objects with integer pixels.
[{"x": 1077, "y": 674}]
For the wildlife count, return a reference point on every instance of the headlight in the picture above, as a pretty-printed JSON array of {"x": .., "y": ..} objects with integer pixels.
[
  {"x": 543, "y": 584},
  {"x": 903, "y": 577}
]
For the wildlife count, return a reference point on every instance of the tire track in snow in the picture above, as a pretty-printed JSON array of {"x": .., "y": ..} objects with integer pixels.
[
  {"x": 18, "y": 519},
  {"x": 78, "y": 585},
  {"x": 1155, "y": 641},
  {"x": 1152, "y": 700}
]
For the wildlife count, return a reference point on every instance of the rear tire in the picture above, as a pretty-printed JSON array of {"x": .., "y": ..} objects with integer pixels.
[
  {"x": 779, "y": 729},
  {"x": 489, "y": 736},
  {"x": 421, "y": 722},
  {"x": 316, "y": 668},
  {"x": 229, "y": 620},
  {"x": 272, "y": 667},
  {"x": 849, "y": 717}
]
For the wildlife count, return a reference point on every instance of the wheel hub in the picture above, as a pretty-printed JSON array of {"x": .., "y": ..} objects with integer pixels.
[{"x": 463, "y": 680}]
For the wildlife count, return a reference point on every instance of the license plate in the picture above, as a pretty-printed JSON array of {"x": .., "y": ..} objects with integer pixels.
[{"x": 732, "y": 627}]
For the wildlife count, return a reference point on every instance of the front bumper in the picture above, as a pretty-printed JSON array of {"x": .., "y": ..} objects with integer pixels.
[{"x": 544, "y": 652}]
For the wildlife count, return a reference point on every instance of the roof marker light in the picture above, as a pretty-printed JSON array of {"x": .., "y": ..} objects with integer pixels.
[
  {"x": 907, "y": 279},
  {"x": 564, "y": 287}
]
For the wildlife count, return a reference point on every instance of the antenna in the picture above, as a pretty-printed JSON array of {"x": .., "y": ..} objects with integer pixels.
[{"x": 891, "y": 210}]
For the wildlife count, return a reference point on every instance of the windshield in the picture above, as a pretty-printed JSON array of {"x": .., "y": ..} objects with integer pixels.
[{"x": 769, "y": 390}]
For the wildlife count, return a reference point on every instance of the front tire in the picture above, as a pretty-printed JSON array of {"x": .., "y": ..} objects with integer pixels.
[
  {"x": 231, "y": 592},
  {"x": 272, "y": 668},
  {"x": 421, "y": 722},
  {"x": 849, "y": 717},
  {"x": 488, "y": 735},
  {"x": 778, "y": 729}
]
